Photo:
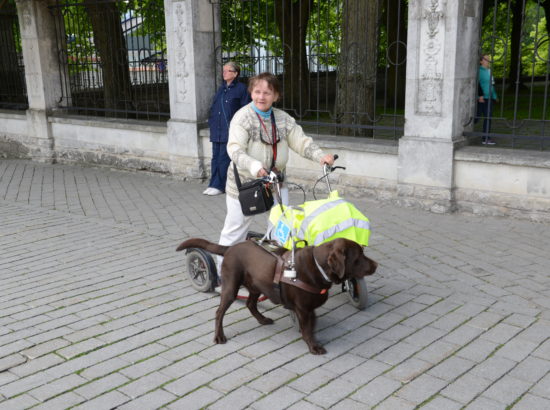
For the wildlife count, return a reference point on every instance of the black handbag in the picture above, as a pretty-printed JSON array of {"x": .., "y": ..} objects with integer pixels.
[{"x": 254, "y": 196}]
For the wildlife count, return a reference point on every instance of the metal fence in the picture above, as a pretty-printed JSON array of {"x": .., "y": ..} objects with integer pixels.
[
  {"x": 13, "y": 91},
  {"x": 514, "y": 38},
  {"x": 112, "y": 56},
  {"x": 341, "y": 63}
]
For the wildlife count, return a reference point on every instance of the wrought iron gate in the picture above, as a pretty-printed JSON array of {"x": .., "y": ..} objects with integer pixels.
[{"x": 341, "y": 62}]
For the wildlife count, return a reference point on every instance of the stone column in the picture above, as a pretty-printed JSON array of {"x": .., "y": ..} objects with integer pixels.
[
  {"x": 38, "y": 38},
  {"x": 442, "y": 59},
  {"x": 190, "y": 34}
]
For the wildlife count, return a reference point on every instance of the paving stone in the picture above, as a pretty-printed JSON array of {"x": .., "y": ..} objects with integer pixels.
[
  {"x": 484, "y": 403},
  {"x": 376, "y": 391},
  {"x": 57, "y": 387},
  {"x": 532, "y": 402},
  {"x": 466, "y": 388},
  {"x": 441, "y": 403},
  {"x": 11, "y": 361},
  {"x": 507, "y": 390},
  {"x": 101, "y": 386},
  {"x": 421, "y": 388},
  {"x": 63, "y": 401},
  {"x": 109, "y": 400},
  {"x": 284, "y": 397},
  {"x": 240, "y": 398},
  {"x": 104, "y": 287},
  {"x": 451, "y": 368},
  {"x": 198, "y": 399},
  {"x": 153, "y": 400}
]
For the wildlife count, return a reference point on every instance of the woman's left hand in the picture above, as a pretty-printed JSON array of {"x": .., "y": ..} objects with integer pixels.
[{"x": 327, "y": 159}]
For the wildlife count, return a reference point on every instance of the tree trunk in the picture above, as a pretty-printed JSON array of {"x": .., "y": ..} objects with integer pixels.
[
  {"x": 356, "y": 92},
  {"x": 12, "y": 85},
  {"x": 113, "y": 53},
  {"x": 514, "y": 75},
  {"x": 292, "y": 19},
  {"x": 396, "y": 17}
]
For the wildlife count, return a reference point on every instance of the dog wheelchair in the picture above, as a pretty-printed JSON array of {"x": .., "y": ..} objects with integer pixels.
[{"x": 202, "y": 269}]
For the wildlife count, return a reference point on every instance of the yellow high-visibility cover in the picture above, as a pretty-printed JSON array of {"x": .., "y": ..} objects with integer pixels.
[{"x": 318, "y": 222}]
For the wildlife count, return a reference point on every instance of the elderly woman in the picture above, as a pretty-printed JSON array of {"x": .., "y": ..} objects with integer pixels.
[
  {"x": 259, "y": 140},
  {"x": 230, "y": 97}
]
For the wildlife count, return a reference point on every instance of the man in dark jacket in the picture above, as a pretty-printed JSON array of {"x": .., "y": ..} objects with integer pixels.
[{"x": 230, "y": 97}]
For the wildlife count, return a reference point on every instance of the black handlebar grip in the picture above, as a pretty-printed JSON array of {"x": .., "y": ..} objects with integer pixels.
[{"x": 335, "y": 156}]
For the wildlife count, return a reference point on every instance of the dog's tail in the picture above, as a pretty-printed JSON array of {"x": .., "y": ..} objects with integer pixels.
[{"x": 203, "y": 244}]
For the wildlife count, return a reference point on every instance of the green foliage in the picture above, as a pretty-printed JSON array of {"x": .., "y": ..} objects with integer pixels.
[{"x": 496, "y": 39}]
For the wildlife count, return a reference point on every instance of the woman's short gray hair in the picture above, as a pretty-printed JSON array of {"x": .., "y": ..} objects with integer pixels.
[{"x": 234, "y": 66}]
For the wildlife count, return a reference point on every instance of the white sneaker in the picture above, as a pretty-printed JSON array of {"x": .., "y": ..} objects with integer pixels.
[
  {"x": 218, "y": 289},
  {"x": 214, "y": 191},
  {"x": 206, "y": 191}
]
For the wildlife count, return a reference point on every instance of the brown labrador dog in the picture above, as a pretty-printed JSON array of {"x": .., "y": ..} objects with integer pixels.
[{"x": 248, "y": 264}]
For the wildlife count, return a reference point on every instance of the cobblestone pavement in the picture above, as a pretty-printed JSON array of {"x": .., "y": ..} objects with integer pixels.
[{"x": 96, "y": 311}]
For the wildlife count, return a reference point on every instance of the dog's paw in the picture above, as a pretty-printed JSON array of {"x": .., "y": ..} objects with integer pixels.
[
  {"x": 317, "y": 349},
  {"x": 220, "y": 340},
  {"x": 266, "y": 321}
]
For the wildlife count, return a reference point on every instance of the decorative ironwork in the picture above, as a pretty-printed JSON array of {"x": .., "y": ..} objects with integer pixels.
[
  {"x": 112, "y": 56},
  {"x": 515, "y": 37},
  {"x": 336, "y": 77}
]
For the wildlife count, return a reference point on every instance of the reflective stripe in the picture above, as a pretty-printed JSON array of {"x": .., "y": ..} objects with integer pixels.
[
  {"x": 315, "y": 213},
  {"x": 342, "y": 226}
]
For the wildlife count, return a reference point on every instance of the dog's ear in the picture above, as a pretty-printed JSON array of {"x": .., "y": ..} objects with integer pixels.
[{"x": 337, "y": 261}]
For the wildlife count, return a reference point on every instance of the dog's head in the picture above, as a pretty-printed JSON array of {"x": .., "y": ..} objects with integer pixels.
[{"x": 346, "y": 260}]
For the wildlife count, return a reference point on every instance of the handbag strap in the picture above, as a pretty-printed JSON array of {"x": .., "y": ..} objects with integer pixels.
[{"x": 237, "y": 178}]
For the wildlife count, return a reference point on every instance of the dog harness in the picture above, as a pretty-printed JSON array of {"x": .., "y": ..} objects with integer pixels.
[{"x": 279, "y": 277}]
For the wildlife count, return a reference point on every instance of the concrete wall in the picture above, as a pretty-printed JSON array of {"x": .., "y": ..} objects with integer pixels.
[{"x": 487, "y": 181}]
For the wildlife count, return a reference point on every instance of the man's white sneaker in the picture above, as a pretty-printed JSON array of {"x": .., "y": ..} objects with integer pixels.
[
  {"x": 206, "y": 191},
  {"x": 214, "y": 191}
]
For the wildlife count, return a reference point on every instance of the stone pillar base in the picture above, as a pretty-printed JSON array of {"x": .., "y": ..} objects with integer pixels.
[
  {"x": 186, "y": 153},
  {"x": 40, "y": 142},
  {"x": 433, "y": 199},
  {"x": 425, "y": 173}
]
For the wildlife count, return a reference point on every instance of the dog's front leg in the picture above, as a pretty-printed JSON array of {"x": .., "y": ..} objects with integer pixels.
[{"x": 307, "y": 326}]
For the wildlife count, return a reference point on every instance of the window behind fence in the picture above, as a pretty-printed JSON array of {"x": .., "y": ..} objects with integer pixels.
[
  {"x": 341, "y": 62},
  {"x": 514, "y": 48},
  {"x": 113, "y": 58},
  {"x": 13, "y": 91}
]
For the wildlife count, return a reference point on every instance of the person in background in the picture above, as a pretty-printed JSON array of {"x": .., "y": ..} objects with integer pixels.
[
  {"x": 230, "y": 97},
  {"x": 487, "y": 97},
  {"x": 259, "y": 140}
]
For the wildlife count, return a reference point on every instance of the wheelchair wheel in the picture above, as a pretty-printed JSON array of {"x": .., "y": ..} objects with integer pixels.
[
  {"x": 357, "y": 292},
  {"x": 201, "y": 270}
]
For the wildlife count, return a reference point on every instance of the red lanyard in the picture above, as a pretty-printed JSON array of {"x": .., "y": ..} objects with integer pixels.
[{"x": 273, "y": 136}]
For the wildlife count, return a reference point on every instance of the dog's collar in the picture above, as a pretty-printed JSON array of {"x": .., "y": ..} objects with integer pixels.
[{"x": 325, "y": 276}]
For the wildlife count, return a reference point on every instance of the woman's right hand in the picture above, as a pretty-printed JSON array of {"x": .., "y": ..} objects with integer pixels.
[{"x": 262, "y": 173}]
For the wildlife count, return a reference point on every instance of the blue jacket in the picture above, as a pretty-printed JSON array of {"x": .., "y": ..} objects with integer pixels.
[{"x": 227, "y": 101}]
